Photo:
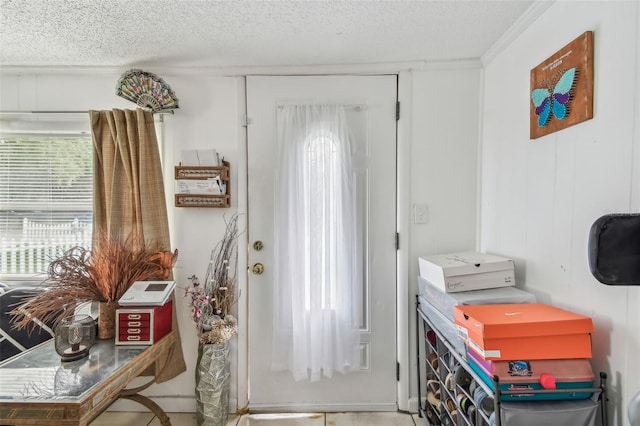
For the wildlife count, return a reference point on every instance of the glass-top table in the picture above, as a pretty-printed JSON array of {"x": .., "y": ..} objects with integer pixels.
[{"x": 37, "y": 388}]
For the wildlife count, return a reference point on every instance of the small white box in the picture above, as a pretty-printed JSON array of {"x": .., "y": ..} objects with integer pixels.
[
  {"x": 466, "y": 271},
  {"x": 147, "y": 293}
]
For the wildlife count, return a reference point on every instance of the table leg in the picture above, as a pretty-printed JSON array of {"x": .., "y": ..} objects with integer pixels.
[
  {"x": 155, "y": 408},
  {"x": 133, "y": 395}
]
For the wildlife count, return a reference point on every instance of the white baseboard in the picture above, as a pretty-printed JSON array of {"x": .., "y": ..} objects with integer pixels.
[{"x": 324, "y": 408}]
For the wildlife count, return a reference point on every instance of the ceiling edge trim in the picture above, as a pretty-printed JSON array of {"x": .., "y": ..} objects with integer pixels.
[
  {"x": 371, "y": 68},
  {"x": 522, "y": 23}
]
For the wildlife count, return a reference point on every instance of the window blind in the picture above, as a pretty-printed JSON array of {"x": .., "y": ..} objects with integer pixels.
[{"x": 46, "y": 190}]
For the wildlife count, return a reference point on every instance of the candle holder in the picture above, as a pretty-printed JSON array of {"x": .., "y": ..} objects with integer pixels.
[{"x": 74, "y": 336}]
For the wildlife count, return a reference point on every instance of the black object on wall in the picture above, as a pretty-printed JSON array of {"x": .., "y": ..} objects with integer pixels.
[{"x": 614, "y": 249}]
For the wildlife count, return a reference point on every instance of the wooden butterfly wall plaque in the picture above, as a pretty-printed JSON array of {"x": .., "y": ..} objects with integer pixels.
[{"x": 562, "y": 88}]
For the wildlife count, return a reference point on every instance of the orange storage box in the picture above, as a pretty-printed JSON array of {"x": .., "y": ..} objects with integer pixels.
[{"x": 524, "y": 331}]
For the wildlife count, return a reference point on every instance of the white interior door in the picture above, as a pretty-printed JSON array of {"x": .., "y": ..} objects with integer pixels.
[{"x": 370, "y": 107}]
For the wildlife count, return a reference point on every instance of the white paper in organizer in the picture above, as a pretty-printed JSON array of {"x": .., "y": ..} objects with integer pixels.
[{"x": 205, "y": 186}]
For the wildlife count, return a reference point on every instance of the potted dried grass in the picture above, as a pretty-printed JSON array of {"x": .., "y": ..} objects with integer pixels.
[{"x": 101, "y": 275}]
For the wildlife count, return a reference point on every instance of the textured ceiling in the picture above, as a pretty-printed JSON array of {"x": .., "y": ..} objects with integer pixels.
[{"x": 240, "y": 33}]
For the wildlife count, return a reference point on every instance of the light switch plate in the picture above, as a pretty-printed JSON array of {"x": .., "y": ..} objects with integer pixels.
[{"x": 419, "y": 213}]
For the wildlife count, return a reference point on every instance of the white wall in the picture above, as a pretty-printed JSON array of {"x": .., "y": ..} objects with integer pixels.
[
  {"x": 444, "y": 141},
  {"x": 444, "y": 156},
  {"x": 540, "y": 197},
  {"x": 207, "y": 118}
]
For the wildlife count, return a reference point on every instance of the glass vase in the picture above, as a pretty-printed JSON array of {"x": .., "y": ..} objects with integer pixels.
[{"x": 213, "y": 374}]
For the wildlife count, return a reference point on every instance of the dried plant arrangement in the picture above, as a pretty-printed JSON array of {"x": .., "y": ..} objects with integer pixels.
[
  {"x": 212, "y": 300},
  {"x": 99, "y": 275}
]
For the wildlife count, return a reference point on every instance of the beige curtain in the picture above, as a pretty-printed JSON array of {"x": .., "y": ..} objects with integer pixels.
[{"x": 129, "y": 193}]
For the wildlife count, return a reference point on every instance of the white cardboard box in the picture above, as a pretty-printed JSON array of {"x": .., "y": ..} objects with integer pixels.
[
  {"x": 466, "y": 271},
  {"x": 147, "y": 293}
]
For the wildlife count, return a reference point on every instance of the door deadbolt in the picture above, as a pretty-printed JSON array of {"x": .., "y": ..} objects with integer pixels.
[
  {"x": 258, "y": 268},
  {"x": 257, "y": 246}
]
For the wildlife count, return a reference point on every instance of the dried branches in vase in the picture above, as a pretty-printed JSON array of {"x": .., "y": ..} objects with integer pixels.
[
  {"x": 212, "y": 300},
  {"x": 100, "y": 275}
]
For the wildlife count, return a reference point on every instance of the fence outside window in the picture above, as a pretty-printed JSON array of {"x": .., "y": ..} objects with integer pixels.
[{"x": 39, "y": 244}]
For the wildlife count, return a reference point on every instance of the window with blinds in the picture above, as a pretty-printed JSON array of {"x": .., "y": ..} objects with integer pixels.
[{"x": 46, "y": 198}]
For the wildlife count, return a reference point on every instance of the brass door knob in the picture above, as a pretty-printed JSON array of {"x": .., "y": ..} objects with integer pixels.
[{"x": 258, "y": 268}]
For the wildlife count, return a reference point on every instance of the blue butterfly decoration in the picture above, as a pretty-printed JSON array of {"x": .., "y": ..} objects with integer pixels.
[{"x": 557, "y": 101}]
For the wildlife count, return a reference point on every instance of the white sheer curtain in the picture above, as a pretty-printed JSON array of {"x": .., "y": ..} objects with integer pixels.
[{"x": 318, "y": 270}]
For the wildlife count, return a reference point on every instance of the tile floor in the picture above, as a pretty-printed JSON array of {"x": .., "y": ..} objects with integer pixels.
[{"x": 113, "y": 418}]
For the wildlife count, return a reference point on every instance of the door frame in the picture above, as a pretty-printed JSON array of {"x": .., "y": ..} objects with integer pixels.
[{"x": 404, "y": 303}]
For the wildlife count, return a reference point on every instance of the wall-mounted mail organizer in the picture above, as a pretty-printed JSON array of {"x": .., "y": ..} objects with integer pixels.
[{"x": 203, "y": 186}]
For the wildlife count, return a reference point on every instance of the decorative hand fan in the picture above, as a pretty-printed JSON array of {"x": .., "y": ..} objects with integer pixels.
[{"x": 146, "y": 90}]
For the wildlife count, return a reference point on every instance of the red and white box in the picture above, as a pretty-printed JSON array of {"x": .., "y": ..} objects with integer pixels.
[
  {"x": 143, "y": 325},
  {"x": 524, "y": 331}
]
